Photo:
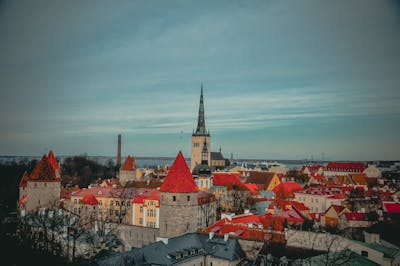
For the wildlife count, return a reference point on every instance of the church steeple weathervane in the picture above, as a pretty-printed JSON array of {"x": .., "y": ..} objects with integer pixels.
[{"x": 201, "y": 122}]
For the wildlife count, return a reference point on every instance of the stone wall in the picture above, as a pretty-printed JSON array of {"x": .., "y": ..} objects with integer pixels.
[
  {"x": 178, "y": 213},
  {"x": 42, "y": 195},
  {"x": 135, "y": 236}
]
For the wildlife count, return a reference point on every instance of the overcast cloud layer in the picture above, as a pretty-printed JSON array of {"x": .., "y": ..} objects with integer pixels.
[{"x": 282, "y": 79}]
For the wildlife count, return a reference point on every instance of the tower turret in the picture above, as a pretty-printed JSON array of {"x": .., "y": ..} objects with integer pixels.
[{"x": 178, "y": 201}]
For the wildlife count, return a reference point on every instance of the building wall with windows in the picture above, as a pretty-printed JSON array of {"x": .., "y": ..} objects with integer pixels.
[
  {"x": 114, "y": 209},
  {"x": 146, "y": 213}
]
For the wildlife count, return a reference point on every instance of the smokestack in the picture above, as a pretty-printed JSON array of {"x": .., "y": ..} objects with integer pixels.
[{"x": 119, "y": 151}]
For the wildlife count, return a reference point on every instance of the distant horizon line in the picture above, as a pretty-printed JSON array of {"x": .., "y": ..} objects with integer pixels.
[{"x": 188, "y": 159}]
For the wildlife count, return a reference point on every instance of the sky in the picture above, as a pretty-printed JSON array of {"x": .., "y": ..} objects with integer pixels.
[{"x": 282, "y": 79}]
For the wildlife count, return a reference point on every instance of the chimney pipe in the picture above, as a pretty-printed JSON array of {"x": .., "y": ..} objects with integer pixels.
[{"x": 119, "y": 151}]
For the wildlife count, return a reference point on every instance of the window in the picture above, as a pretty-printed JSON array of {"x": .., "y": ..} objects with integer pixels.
[
  {"x": 111, "y": 212},
  {"x": 173, "y": 198},
  {"x": 364, "y": 253},
  {"x": 116, "y": 212},
  {"x": 112, "y": 203},
  {"x": 75, "y": 201},
  {"x": 188, "y": 198},
  {"x": 117, "y": 202},
  {"x": 151, "y": 212},
  {"x": 141, "y": 209},
  {"x": 140, "y": 220}
]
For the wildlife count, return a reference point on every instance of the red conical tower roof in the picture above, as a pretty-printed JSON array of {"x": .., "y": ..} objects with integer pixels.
[
  {"x": 89, "y": 199},
  {"x": 129, "y": 163},
  {"x": 43, "y": 171},
  {"x": 179, "y": 178},
  {"x": 52, "y": 160}
]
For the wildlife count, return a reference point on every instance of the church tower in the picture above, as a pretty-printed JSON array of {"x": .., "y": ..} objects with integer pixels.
[{"x": 200, "y": 135}]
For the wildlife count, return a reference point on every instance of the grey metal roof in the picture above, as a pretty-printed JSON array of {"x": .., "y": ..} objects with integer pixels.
[{"x": 178, "y": 250}]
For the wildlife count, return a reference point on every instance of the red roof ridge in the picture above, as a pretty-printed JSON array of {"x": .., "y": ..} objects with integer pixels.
[
  {"x": 43, "y": 171},
  {"x": 52, "y": 160},
  {"x": 24, "y": 179},
  {"x": 179, "y": 178}
]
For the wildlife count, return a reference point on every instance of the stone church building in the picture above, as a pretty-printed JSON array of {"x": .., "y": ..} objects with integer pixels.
[{"x": 201, "y": 138}]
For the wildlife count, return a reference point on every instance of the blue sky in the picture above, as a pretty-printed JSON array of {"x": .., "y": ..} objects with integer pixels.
[{"x": 282, "y": 79}]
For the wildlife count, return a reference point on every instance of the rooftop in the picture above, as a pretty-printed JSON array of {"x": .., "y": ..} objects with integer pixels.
[{"x": 179, "y": 179}]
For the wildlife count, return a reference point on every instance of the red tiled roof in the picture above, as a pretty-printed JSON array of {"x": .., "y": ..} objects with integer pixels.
[
  {"x": 24, "y": 180},
  {"x": 43, "y": 171},
  {"x": 312, "y": 168},
  {"x": 338, "y": 208},
  {"x": 329, "y": 191},
  {"x": 253, "y": 188},
  {"x": 129, "y": 164},
  {"x": 66, "y": 192},
  {"x": 250, "y": 227},
  {"x": 89, "y": 199},
  {"x": 22, "y": 201},
  {"x": 392, "y": 207},
  {"x": 299, "y": 206},
  {"x": 339, "y": 196},
  {"x": 316, "y": 216},
  {"x": 111, "y": 182},
  {"x": 356, "y": 216},
  {"x": 179, "y": 179},
  {"x": 153, "y": 194},
  {"x": 52, "y": 160},
  {"x": 287, "y": 189},
  {"x": 346, "y": 167},
  {"x": 229, "y": 180}
]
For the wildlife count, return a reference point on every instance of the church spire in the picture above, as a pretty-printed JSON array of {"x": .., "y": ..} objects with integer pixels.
[{"x": 201, "y": 122}]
